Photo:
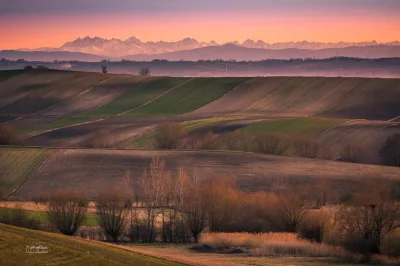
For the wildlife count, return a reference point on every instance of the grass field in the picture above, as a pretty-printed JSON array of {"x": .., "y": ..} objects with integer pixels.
[
  {"x": 63, "y": 250},
  {"x": 136, "y": 96},
  {"x": 190, "y": 96},
  {"x": 295, "y": 127},
  {"x": 90, "y": 220},
  {"x": 16, "y": 165}
]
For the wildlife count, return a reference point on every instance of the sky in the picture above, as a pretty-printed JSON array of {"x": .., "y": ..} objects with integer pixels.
[{"x": 51, "y": 23}]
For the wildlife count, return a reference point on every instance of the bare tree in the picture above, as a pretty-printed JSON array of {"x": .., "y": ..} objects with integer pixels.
[
  {"x": 274, "y": 144},
  {"x": 306, "y": 147},
  {"x": 150, "y": 187},
  {"x": 67, "y": 210},
  {"x": 181, "y": 185},
  {"x": 104, "y": 69},
  {"x": 112, "y": 212},
  {"x": 390, "y": 152},
  {"x": 372, "y": 216},
  {"x": 170, "y": 135},
  {"x": 194, "y": 207},
  {"x": 293, "y": 207},
  {"x": 145, "y": 71}
]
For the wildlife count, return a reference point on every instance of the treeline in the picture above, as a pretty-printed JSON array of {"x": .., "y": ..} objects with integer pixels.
[
  {"x": 176, "y": 136},
  {"x": 179, "y": 207}
]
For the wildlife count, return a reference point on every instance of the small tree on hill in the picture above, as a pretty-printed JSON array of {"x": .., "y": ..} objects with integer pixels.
[
  {"x": 104, "y": 69},
  {"x": 145, "y": 71},
  {"x": 67, "y": 210}
]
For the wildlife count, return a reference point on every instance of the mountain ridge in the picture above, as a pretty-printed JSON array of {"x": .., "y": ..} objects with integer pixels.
[{"x": 133, "y": 46}]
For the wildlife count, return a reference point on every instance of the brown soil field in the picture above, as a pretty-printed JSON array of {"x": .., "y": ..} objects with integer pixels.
[
  {"x": 305, "y": 96},
  {"x": 94, "y": 170},
  {"x": 370, "y": 135},
  {"x": 23, "y": 95}
]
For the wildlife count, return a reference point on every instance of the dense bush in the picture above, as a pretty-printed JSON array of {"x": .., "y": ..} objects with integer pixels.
[{"x": 170, "y": 136}]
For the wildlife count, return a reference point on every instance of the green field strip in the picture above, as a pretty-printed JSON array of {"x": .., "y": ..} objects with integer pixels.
[
  {"x": 136, "y": 96},
  {"x": 294, "y": 127},
  {"x": 190, "y": 96},
  {"x": 43, "y": 217}
]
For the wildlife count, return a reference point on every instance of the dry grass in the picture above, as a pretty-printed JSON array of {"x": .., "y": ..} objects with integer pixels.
[{"x": 272, "y": 244}]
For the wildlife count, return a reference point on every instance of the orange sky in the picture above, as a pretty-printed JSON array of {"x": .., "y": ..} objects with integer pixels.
[{"x": 34, "y": 30}]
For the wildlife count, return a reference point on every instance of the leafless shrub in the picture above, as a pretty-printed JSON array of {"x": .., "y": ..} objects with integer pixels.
[
  {"x": 9, "y": 136},
  {"x": 306, "y": 147},
  {"x": 145, "y": 71},
  {"x": 292, "y": 208},
  {"x": 274, "y": 144},
  {"x": 112, "y": 212},
  {"x": 372, "y": 216},
  {"x": 100, "y": 140},
  {"x": 351, "y": 153},
  {"x": 67, "y": 210},
  {"x": 207, "y": 141},
  {"x": 390, "y": 152},
  {"x": 170, "y": 136}
]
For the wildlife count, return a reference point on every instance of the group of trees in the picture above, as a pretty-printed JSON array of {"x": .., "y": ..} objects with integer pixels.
[
  {"x": 160, "y": 205},
  {"x": 9, "y": 136},
  {"x": 144, "y": 71}
]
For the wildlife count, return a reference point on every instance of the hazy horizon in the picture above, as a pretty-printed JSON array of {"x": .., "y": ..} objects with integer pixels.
[{"x": 45, "y": 23}]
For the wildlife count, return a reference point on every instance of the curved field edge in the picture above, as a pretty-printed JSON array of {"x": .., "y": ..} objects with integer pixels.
[
  {"x": 66, "y": 250},
  {"x": 190, "y": 96},
  {"x": 17, "y": 164}
]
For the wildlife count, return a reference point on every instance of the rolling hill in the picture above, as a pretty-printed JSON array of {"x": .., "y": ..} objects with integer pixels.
[{"x": 64, "y": 250}]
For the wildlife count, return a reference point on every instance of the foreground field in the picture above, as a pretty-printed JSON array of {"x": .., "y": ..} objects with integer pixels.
[
  {"x": 63, "y": 250},
  {"x": 93, "y": 169}
]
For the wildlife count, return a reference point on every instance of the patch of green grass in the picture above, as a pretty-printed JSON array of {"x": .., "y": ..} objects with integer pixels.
[
  {"x": 16, "y": 164},
  {"x": 64, "y": 250},
  {"x": 136, "y": 96},
  {"x": 295, "y": 127},
  {"x": 190, "y": 96},
  {"x": 5, "y": 74},
  {"x": 42, "y": 216},
  {"x": 56, "y": 124}
]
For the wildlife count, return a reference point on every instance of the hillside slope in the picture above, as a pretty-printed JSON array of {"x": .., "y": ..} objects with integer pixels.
[
  {"x": 305, "y": 96},
  {"x": 94, "y": 169},
  {"x": 64, "y": 250}
]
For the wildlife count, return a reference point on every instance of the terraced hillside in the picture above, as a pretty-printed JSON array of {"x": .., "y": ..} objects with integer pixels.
[
  {"x": 64, "y": 250},
  {"x": 305, "y": 96},
  {"x": 75, "y": 109},
  {"x": 94, "y": 169}
]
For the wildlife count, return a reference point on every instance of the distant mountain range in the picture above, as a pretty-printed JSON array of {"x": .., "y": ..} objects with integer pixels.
[{"x": 132, "y": 46}]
